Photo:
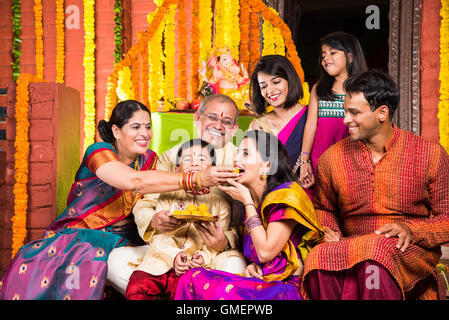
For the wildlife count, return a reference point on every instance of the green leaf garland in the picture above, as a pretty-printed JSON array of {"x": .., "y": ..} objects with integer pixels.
[
  {"x": 17, "y": 40},
  {"x": 118, "y": 38}
]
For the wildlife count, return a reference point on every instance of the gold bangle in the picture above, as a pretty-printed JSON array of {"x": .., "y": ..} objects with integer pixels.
[
  {"x": 198, "y": 183},
  {"x": 180, "y": 181}
]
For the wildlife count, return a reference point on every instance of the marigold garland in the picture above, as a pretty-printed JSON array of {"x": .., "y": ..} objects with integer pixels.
[
  {"x": 138, "y": 48},
  {"x": 39, "y": 42},
  {"x": 244, "y": 33},
  {"x": 182, "y": 47},
  {"x": 227, "y": 30},
  {"x": 254, "y": 42},
  {"x": 205, "y": 39},
  {"x": 135, "y": 77},
  {"x": 194, "y": 49},
  {"x": 22, "y": 146},
  {"x": 291, "y": 53},
  {"x": 155, "y": 59},
  {"x": 89, "y": 73},
  {"x": 145, "y": 70},
  {"x": 443, "y": 105},
  {"x": 251, "y": 12},
  {"x": 273, "y": 43},
  {"x": 60, "y": 44},
  {"x": 124, "y": 86},
  {"x": 169, "y": 53}
]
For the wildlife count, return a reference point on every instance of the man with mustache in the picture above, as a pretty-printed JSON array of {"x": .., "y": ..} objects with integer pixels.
[
  {"x": 383, "y": 199},
  {"x": 216, "y": 121}
]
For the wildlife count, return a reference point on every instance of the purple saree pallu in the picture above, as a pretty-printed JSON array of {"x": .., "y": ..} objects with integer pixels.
[
  {"x": 288, "y": 201},
  {"x": 202, "y": 284},
  {"x": 70, "y": 261}
]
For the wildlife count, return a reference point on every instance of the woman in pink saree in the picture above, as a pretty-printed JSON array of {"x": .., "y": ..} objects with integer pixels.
[
  {"x": 280, "y": 227},
  {"x": 275, "y": 92}
]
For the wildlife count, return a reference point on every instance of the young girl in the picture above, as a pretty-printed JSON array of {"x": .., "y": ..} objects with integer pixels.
[{"x": 341, "y": 57}]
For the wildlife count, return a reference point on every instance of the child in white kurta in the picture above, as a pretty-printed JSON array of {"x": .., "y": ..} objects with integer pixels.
[{"x": 173, "y": 253}]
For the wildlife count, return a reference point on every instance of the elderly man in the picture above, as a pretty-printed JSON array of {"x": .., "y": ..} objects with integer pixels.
[
  {"x": 383, "y": 197},
  {"x": 216, "y": 121}
]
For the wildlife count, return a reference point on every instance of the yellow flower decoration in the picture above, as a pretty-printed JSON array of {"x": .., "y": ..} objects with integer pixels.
[
  {"x": 89, "y": 73},
  {"x": 60, "y": 44},
  {"x": 443, "y": 105},
  {"x": 273, "y": 43},
  {"x": 156, "y": 58},
  {"x": 244, "y": 34},
  {"x": 205, "y": 21},
  {"x": 227, "y": 29},
  {"x": 182, "y": 47},
  {"x": 124, "y": 88}
]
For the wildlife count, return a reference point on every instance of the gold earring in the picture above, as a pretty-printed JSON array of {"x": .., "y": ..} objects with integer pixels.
[{"x": 264, "y": 176}]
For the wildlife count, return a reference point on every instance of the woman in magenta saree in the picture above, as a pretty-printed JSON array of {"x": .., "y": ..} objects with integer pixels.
[
  {"x": 280, "y": 228},
  {"x": 275, "y": 93}
]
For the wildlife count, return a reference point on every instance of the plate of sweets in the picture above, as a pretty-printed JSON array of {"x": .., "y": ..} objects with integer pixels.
[{"x": 195, "y": 213}]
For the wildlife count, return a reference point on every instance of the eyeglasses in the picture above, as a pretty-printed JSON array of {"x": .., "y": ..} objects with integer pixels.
[{"x": 226, "y": 122}]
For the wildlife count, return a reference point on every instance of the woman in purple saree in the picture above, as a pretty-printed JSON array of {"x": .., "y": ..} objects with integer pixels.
[
  {"x": 70, "y": 261},
  {"x": 280, "y": 228},
  {"x": 275, "y": 92}
]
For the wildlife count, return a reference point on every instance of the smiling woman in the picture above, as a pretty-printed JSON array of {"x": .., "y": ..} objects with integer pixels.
[
  {"x": 275, "y": 91},
  {"x": 278, "y": 220}
]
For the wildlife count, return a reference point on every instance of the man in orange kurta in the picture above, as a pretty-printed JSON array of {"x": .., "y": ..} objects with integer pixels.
[{"x": 382, "y": 195}]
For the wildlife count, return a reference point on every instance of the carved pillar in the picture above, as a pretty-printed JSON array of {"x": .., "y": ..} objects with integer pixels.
[{"x": 404, "y": 61}]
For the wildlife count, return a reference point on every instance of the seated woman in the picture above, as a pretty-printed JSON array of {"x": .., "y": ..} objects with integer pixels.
[
  {"x": 172, "y": 253},
  {"x": 280, "y": 228},
  {"x": 275, "y": 93},
  {"x": 70, "y": 261}
]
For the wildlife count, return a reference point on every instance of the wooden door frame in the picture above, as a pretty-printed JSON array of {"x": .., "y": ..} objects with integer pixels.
[{"x": 405, "y": 60}]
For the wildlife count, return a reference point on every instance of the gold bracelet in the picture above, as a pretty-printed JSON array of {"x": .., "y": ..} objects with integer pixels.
[
  {"x": 198, "y": 183},
  {"x": 180, "y": 181}
]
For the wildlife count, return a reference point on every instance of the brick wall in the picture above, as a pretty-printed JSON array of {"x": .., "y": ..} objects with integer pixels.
[
  {"x": 6, "y": 40},
  {"x": 430, "y": 68},
  {"x": 53, "y": 160},
  {"x": 7, "y": 183}
]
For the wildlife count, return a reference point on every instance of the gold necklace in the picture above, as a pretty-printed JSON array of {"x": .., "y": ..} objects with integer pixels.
[{"x": 128, "y": 205}]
